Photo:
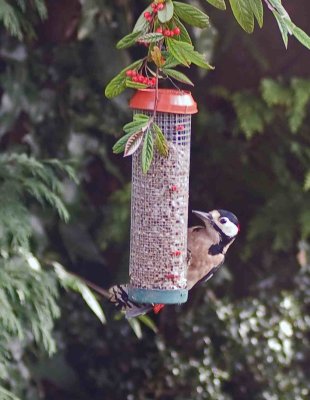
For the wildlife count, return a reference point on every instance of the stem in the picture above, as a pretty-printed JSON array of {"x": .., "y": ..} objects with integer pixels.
[
  {"x": 271, "y": 8},
  {"x": 92, "y": 285},
  {"x": 156, "y": 94},
  {"x": 95, "y": 287}
]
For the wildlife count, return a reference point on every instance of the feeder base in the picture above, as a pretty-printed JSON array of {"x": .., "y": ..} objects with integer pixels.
[{"x": 157, "y": 296}]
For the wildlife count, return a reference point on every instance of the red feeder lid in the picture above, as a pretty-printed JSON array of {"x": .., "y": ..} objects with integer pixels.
[{"x": 169, "y": 101}]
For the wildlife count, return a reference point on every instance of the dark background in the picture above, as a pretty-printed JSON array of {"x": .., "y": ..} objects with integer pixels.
[{"x": 244, "y": 335}]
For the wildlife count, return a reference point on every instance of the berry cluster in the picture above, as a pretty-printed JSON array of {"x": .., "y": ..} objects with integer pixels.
[
  {"x": 169, "y": 32},
  {"x": 139, "y": 78},
  {"x": 156, "y": 7}
]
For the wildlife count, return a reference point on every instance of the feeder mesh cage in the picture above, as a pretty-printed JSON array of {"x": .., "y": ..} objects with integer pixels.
[{"x": 159, "y": 212}]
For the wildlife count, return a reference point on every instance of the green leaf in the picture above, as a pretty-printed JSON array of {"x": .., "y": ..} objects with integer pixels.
[
  {"x": 133, "y": 143},
  {"x": 72, "y": 282},
  {"x": 179, "y": 76},
  {"x": 118, "y": 84},
  {"x": 91, "y": 301},
  {"x": 199, "y": 60},
  {"x": 152, "y": 37},
  {"x": 307, "y": 182},
  {"x": 279, "y": 8},
  {"x": 243, "y": 13},
  {"x": 191, "y": 15},
  {"x": 136, "y": 327},
  {"x": 160, "y": 141},
  {"x": 184, "y": 35},
  {"x": 128, "y": 40},
  {"x": 140, "y": 117},
  {"x": 299, "y": 34},
  {"x": 258, "y": 11},
  {"x": 135, "y": 125},
  {"x": 166, "y": 13},
  {"x": 220, "y": 4},
  {"x": 282, "y": 27},
  {"x": 185, "y": 54},
  {"x": 171, "y": 62},
  {"x": 147, "y": 321},
  {"x": 140, "y": 122},
  {"x": 142, "y": 24},
  {"x": 119, "y": 146},
  {"x": 179, "y": 51},
  {"x": 147, "y": 151},
  {"x": 135, "y": 85}
]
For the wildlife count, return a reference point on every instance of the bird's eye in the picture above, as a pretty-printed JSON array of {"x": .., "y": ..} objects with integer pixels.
[{"x": 223, "y": 220}]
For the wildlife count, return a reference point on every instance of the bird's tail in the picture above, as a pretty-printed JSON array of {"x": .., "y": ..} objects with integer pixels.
[{"x": 119, "y": 297}]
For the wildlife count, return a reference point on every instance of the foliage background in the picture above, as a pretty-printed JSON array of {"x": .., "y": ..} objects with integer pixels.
[{"x": 243, "y": 336}]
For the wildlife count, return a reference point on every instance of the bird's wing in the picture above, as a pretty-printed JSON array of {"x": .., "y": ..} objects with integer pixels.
[
  {"x": 202, "y": 264},
  {"x": 209, "y": 275}
]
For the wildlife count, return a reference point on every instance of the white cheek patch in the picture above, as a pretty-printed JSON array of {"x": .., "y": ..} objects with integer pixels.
[{"x": 229, "y": 229}]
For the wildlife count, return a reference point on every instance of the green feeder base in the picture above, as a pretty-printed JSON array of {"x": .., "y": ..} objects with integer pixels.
[{"x": 157, "y": 296}]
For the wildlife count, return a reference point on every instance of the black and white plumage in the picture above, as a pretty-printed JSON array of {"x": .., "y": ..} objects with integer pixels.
[{"x": 207, "y": 246}]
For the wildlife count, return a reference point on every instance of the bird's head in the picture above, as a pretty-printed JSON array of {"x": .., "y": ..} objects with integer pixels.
[{"x": 224, "y": 222}]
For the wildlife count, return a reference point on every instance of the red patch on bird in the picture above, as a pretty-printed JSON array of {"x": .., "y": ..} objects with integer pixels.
[{"x": 158, "y": 307}]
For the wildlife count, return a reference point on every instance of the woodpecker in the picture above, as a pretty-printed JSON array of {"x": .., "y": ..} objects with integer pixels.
[{"x": 206, "y": 245}]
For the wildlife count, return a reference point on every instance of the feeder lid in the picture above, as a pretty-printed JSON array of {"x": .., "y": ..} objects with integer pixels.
[{"x": 169, "y": 101}]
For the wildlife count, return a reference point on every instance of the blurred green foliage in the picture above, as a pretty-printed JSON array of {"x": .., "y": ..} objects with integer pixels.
[{"x": 244, "y": 335}]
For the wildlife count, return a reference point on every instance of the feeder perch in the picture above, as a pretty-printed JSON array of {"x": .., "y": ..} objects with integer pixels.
[{"x": 159, "y": 203}]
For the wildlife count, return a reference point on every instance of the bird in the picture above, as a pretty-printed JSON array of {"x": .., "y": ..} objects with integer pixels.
[{"x": 207, "y": 246}]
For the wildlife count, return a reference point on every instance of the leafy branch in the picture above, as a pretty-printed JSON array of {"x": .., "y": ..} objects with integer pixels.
[
  {"x": 160, "y": 29},
  {"x": 247, "y": 11}
]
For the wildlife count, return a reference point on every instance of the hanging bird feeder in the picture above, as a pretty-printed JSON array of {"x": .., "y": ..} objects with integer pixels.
[{"x": 159, "y": 202}]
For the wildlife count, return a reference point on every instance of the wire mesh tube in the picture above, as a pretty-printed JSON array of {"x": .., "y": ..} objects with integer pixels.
[{"x": 159, "y": 213}]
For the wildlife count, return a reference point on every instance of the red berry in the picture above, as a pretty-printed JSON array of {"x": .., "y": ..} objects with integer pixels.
[
  {"x": 159, "y": 30},
  {"x": 176, "y": 31},
  {"x": 133, "y": 72},
  {"x": 135, "y": 79},
  {"x": 171, "y": 33},
  {"x": 147, "y": 16},
  {"x": 160, "y": 6},
  {"x": 129, "y": 72},
  {"x": 166, "y": 32},
  {"x": 140, "y": 78},
  {"x": 153, "y": 5}
]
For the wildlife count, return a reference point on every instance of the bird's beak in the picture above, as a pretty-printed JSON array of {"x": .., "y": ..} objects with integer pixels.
[{"x": 205, "y": 217}]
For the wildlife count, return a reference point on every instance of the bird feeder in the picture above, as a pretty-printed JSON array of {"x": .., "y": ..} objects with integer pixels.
[{"x": 159, "y": 203}]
